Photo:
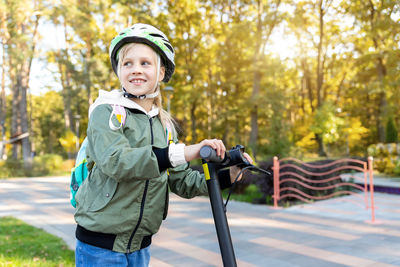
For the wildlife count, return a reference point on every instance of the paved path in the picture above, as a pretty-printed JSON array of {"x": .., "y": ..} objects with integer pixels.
[{"x": 328, "y": 233}]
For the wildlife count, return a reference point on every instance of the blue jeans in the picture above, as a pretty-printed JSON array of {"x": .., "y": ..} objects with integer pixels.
[{"x": 90, "y": 256}]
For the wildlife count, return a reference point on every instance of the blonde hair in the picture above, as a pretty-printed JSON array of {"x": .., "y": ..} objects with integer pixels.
[{"x": 166, "y": 119}]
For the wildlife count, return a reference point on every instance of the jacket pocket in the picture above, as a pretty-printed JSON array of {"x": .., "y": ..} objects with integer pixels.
[{"x": 101, "y": 193}]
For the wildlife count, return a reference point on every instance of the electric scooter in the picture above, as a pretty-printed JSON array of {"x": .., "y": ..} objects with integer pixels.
[{"x": 211, "y": 165}]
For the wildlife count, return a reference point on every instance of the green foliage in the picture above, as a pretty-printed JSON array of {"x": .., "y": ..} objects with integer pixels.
[
  {"x": 391, "y": 131},
  {"x": 226, "y": 70},
  {"x": 42, "y": 165},
  {"x": 11, "y": 168},
  {"x": 69, "y": 142},
  {"x": 273, "y": 125},
  {"x": 326, "y": 123},
  {"x": 47, "y": 163},
  {"x": 386, "y": 157},
  {"x": 251, "y": 193},
  {"x": 354, "y": 135},
  {"x": 47, "y": 122},
  {"x": 24, "y": 245},
  {"x": 396, "y": 169}
]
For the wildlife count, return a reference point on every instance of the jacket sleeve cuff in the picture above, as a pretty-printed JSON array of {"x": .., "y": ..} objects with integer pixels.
[
  {"x": 224, "y": 179},
  {"x": 176, "y": 154},
  {"x": 162, "y": 158}
]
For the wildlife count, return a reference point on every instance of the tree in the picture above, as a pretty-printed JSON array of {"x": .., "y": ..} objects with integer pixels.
[
  {"x": 186, "y": 37},
  {"x": 48, "y": 122},
  {"x": 316, "y": 25},
  {"x": 376, "y": 45},
  {"x": 4, "y": 36},
  {"x": 228, "y": 64},
  {"x": 22, "y": 23},
  {"x": 267, "y": 17},
  {"x": 66, "y": 71},
  {"x": 227, "y": 83}
]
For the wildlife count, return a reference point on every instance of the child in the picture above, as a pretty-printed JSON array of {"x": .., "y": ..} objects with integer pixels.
[{"x": 125, "y": 198}]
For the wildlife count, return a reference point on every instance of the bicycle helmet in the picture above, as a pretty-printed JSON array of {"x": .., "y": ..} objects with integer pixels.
[{"x": 149, "y": 35}]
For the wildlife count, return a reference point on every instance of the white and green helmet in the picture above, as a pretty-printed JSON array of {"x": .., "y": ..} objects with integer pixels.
[{"x": 146, "y": 34}]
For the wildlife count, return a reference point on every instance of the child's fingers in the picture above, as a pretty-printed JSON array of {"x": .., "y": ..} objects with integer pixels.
[
  {"x": 221, "y": 148},
  {"x": 217, "y": 145},
  {"x": 248, "y": 158}
]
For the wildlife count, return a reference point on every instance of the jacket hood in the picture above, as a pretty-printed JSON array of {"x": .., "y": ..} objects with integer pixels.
[{"x": 116, "y": 97}]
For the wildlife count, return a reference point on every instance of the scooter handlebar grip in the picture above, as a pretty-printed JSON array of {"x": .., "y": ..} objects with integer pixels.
[{"x": 209, "y": 154}]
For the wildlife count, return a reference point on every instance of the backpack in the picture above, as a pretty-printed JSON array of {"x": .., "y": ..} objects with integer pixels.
[{"x": 80, "y": 172}]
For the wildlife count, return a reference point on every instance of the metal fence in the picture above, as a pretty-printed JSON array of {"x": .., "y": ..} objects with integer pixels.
[{"x": 295, "y": 179}]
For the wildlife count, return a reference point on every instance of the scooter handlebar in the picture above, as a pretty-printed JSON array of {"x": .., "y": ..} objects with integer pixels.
[
  {"x": 209, "y": 154},
  {"x": 232, "y": 157}
]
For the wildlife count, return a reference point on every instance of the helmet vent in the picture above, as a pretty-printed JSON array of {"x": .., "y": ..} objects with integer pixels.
[
  {"x": 169, "y": 47},
  {"x": 157, "y": 35}
]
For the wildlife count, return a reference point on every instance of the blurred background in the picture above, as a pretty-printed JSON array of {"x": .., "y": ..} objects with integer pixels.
[{"x": 309, "y": 79}]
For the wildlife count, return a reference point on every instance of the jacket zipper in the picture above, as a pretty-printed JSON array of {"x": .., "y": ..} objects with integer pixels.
[
  {"x": 143, "y": 197},
  {"x": 151, "y": 130}
]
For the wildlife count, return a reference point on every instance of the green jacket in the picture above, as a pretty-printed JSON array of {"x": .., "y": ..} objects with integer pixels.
[{"x": 125, "y": 196}]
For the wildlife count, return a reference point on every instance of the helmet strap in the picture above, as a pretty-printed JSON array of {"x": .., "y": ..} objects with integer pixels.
[{"x": 153, "y": 95}]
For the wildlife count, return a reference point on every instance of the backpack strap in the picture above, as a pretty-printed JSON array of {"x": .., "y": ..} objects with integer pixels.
[
  {"x": 168, "y": 134},
  {"x": 120, "y": 114},
  {"x": 169, "y": 139}
]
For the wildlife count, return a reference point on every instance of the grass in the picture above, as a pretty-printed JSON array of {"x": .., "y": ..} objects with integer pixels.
[
  {"x": 251, "y": 193},
  {"x": 25, "y": 245}
]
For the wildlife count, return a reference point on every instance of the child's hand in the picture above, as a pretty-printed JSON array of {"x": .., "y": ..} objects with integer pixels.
[
  {"x": 193, "y": 151},
  {"x": 234, "y": 170}
]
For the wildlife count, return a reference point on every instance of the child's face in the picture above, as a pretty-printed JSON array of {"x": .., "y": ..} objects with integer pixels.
[{"x": 139, "y": 70}]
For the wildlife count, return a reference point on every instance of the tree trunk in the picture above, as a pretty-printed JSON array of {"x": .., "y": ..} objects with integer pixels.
[
  {"x": 303, "y": 98},
  {"x": 262, "y": 36},
  {"x": 256, "y": 82},
  {"x": 254, "y": 114},
  {"x": 66, "y": 94},
  {"x": 15, "y": 111},
  {"x": 321, "y": 148},
  {"x": 193, "y": 121},
  {"x": 21, "y": 69},
  {"x": 88, "y": 83},
  {"x": 210, "y": 103},
  {"x": 319, "y": 61},
  {"x": 320, "y": 75},
  {"x": 16, "y": 118},
  {"x": 23, "y": 84},
  {"x": 66, "y": 83},
  {"x": 381, "y": 73},
  {"x": 3, "y": 100},
  {"x": 381, "y": 117},
  {"x": 308, "y": 84}
]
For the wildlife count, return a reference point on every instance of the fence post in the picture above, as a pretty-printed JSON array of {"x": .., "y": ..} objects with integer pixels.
[
  {"x": 366, "y": 185},
  {"x": 276, "y": 181},
  {"x": 371, "y": 186}
]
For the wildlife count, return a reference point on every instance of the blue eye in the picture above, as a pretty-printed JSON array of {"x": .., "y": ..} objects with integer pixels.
[
  {"x": 127, "y": 63},
  {"x": 145, "y": 63}
]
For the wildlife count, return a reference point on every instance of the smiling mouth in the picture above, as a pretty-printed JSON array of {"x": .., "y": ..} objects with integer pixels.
[{"x": 137, "y": 81}]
